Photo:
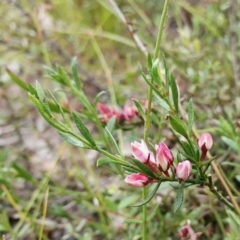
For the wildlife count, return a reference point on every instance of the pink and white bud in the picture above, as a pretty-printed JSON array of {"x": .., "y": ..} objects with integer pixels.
[
  {"x": 137, "y": 180},
  {"x": 183, "y": 170},
  {"x": 205, "y": 141},
  {"x": 140, "y": 151},
  {"x": 164, "y": 157}
]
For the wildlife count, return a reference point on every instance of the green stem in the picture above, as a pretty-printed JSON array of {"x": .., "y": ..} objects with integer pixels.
[
  {"x": 156, "y": 54},
  {"x": 144, "y": 215}
]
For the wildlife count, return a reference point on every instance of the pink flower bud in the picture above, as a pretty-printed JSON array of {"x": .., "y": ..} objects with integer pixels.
[
  {"x": 205, "y": 142},
  {"x": 164, "y": 157},
  {"x": 183, "y": 170},
  {"x": 129, "y": 112},
  {"x": 137, "y": 180},
  {"x": 187, "y": 231},
  {"x": 140, "y": 151}
]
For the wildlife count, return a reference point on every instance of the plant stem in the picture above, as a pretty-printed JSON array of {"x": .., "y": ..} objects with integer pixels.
[
  {"x": 144, "y": 215},
  {"x": 160, "y": 30},
  {"x": 156, "y": 54}
]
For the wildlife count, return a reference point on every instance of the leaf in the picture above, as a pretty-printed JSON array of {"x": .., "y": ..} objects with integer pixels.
[
  {"x": 127, "y": 201},
  {"x": 190, "y": 115},
  {"x": 131, "y": 169},
  {"x": 178, "y": 126},
  {"x": 111, "y": 124},
  {"x": 168, "y": 81},
  {"x": 60, "y": 109},
  {"x": 149, "y": 83},
  {"x": 140, "y": 109},
  {"x": 49, "y": 118},
  {"x": 161, "y": 102},
  {"x": 179, "y": 199},
  {"x": 112, "y": 141},
  {"x": 71, "y": 139},
  {"x": 42, "y": 98},
  {"x": 149, "y": 198},
  {"x": 75, "y": 73},
  {"x": 144, "y": 168},
  {"x": 104, "y": 161},
  {"x": 155, "y": 73},
  {"x": 83, "y": 129},
  {"x": 232, "y": 144},
  {"x": 22, "y": 173},
  {"x": 17, "y": 80},
  {"x": 149, "y": 64},
  {"x": 96, "y": 99},
  {"x": 174, "y": 90}
]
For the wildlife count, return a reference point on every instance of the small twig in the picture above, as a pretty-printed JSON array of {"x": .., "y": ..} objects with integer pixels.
[
  {"x": 130, "y": 28},
  {"x": 214, "y": 190}
]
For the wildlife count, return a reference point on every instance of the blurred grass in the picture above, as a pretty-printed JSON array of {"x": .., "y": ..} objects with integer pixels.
[{"x": 202, "y": 49}]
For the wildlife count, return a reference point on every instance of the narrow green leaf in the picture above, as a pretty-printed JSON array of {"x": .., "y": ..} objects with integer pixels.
[
  {"x": 42, "y": 98},
  {"x": 178, "y": 126},
  {"x": 131, "y": 169},
  {"x": 111, "y": 124},
  {"x": 128, "y": 201},
  {"x": 155, "y": 73},
  {"x": 22, "y": 173},
  {"x": 174, "y": 90},
  {"x": 149, "y": 83},
  {"x": 75, "y": 73},
  {"x": 17, "y": 80},
  {"x": 32, "y": 90},
  {"x": 232, "y": 144},
  {"x": 96, "y": 99},
  {"x": 49, "y": 118},
  {"x": 187, "y": 148},
  {"x": 179, "y": 199},
  {"x": 149, "y": 198},
  {"x": 144, "y": 168},
  {"x": 104, "y": 161},
  {"x": 71, "y": 139},
  {"x": 112, "y": 141},
  {"x": 60, "y": 109},
  {"x": 83, "y": 129},
  {"x": 161, "y": 102},
  {"x": 168, "y": 80},
  {"x": 149, "y": 64},
  {"x": 190, "y": 115},
  {"x": 140, "y": 109}
]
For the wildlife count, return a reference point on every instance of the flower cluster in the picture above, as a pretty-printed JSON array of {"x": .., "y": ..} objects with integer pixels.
[
  {"x": 129, "y": 112},
  {"x": 159, "y": 163},
  {"x": 162, "y": 161}
]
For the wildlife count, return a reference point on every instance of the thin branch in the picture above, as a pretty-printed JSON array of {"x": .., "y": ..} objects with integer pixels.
[{"x": 130, "y": 28}]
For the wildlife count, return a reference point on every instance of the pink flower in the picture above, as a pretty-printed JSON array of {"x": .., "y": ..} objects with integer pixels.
[
  {"x": 107, "y": 113},
  {"x": 205, "y": 141},
  {"x": 137, "y": 180},
  {"x": 187, "y": 231},
  {"x": 140, "y": 151},
  {"x": 129, "y": 112},
  {"x": 183, "y": 170},
  {"x": 164, "y": 157}
]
